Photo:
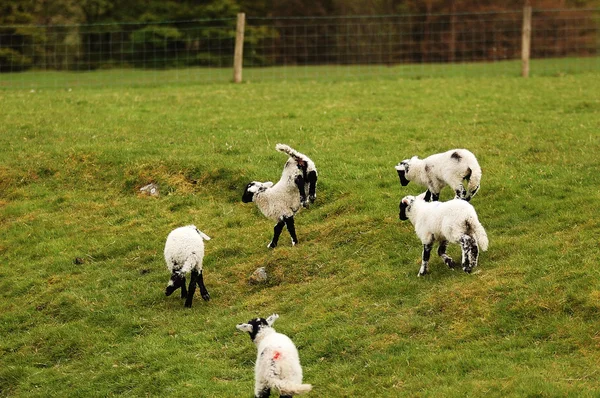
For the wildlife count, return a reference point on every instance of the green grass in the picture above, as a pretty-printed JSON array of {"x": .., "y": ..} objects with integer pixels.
[
  {"x": 527, "y": 323},
  {"x": 35, "y": 80}
]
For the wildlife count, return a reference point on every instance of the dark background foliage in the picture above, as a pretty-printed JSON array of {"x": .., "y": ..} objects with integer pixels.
[{"x": 92, "y": 34}]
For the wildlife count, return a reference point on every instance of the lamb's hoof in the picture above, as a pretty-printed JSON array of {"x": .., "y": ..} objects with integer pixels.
[
  {"x": 312, "y": 198},
  {"x": 422, "y": 273},
  {"x": 271, "y": 245},
  {"x": 305, "y": 204},
  {"x": 467, "y": 269},
  {"x": 188, "y": 305},
  {"x": 294, "y": 243},
  {"x": 206, "y": 297},
  {"x": 451, "y": 264}
]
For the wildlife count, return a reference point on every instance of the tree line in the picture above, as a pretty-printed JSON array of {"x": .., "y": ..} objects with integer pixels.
[{"x": 91, "y": 34}]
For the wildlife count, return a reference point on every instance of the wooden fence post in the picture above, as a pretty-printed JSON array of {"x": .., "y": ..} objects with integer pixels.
[
  {"x": 526, "y": 40},
  {"x": 238, "y": 55}
]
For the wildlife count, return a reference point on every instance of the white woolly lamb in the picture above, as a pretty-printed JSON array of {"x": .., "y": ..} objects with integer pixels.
[
  {"x": 280, "y": 202},
  {"x": 437, "y": 171},
  {"x": 454, "y": 221},
  {"x": 277, "y": 361},
  {"x": 184, "y": 252}
]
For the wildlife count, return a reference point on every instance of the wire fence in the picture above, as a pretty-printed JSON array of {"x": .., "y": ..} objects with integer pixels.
[{"x": 201, "y": 51}]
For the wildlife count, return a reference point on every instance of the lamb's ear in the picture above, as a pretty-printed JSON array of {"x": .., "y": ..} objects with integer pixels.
[
  {"x": 244, "y": 327},
  {"x": 271, "y": 320},
  {"x": 202, "y": 234},
  {"x": 268, "y": 184},
  {"x": 253, "y": 188},
  {"x": 422, "y": 196}
]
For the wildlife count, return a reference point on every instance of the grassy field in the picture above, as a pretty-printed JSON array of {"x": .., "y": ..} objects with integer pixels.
[
  {"x": 35, "y": 80},
  {"x": 526, "y": 323}
]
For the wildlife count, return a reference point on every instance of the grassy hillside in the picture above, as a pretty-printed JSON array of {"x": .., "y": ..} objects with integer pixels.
[{"x": 526, "y": 323}]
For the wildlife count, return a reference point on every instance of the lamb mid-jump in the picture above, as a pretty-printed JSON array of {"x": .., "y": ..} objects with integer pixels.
[
  {"x": 454, "y": 221},
  {"x": 277, "y": 361},
  {"x": 184, "y": 252},
  {"x": 280, "y": 202},
  {"x": 437, "y": 171}
]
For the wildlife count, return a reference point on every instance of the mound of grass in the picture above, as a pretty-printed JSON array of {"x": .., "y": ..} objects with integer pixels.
[{"x": 525, "y": 324}]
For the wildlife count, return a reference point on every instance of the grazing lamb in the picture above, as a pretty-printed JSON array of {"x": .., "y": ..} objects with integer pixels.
[
  {"x": 302, "y": 171},
  {"x": 437, "y": 171},
  {"x": 277, "y": 362},
  {"x": 454, "y": 221},
  {"x": 280, "y": 202},
  {"x": 184, "y": 252}
]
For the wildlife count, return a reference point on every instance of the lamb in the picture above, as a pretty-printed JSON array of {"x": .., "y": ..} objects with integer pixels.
[
  {"x": 454, "y": 221},
  {"x": 437, "y": 171},
  {"x": 184, "y": 252},
  {"x": 280, "y": 202},
  {"x": 277, "y": 361}
]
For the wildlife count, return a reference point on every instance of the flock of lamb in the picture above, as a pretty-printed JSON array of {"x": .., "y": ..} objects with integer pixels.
[{"x": 455, "y": 221}]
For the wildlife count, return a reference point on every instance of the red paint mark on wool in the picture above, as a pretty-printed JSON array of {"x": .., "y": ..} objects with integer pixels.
[{"x": 276, "y": 355}]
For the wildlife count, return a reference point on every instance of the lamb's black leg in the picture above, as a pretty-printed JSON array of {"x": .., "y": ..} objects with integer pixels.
[
  {"x": 203, "y": 290},
  {"x": 312, "y": 186},
  {"x": 191, "y": 289},
  {"x": 183, "y": 289},
  {"x": 289, "y": 223},
  {"x": 299, "y": 181},
  {"x": 285, "y": 396},
  {"x": 442, "y": 253},
  {"x": 435, "y": 197},
  {"x": 264, "y": 393},
  {"x": 470, "y": 252},
  {"x": 427, "y": 197},
  {"x": 276, "y": 232},
  {"x": 426, "y": 254}
]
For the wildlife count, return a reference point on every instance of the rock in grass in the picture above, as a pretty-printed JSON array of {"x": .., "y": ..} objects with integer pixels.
[
  {"x": 258, "y": 276},
  {"x": 150, "y": 190}
]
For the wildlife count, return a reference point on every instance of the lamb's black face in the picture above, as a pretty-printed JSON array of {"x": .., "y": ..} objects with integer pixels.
[
  {"x": 248, "y": 193},
  {"x": 403, "y": 207},
  {"x": 176, "y": 281},
  {"x": 253, "y": 326},
  {"x": 402, "y": 169},
  {"x": 405, "y": 204}
]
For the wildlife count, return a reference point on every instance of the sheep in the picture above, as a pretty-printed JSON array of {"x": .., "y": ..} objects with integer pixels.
[
  {"x": 454, "y": 221},
  {"x": 277, "y": 361},
  {"x": 184, "y": 251},
  {"x": 280, "y": 202},
  {"x": 302, "y": 170},
  {"x": 437, "y": 171}
]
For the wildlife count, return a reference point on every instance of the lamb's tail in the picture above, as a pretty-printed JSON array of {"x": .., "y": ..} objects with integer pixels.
[
  {"x": 480, "y": 235},
  {"x": 474, "y": 180},
  {"x": 291, "y": 152},
  {"x": 191, "y": 261},
  {"x": 289, "y": 388}
]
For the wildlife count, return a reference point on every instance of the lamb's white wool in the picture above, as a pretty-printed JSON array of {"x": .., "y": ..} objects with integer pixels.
[
  {"x": 454, "y": 221},
  {"x": 275, "y": 202},
  {"x": 184, "y": 252},
  {"x": 280, "y": 202},
  {"x": 277, "y": 361},
  {"x": 437, "y": 171}
]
